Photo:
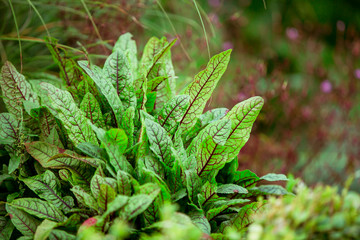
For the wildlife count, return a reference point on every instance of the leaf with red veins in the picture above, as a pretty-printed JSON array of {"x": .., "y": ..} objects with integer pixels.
[
  {"x": 202, "y": 87},
  {"x": 71, "y": 116},
  {"x": 15, "y": 90}
]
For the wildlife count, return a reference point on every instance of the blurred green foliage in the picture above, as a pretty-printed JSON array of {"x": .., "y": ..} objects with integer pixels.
[{"x": 319, "y": 213}]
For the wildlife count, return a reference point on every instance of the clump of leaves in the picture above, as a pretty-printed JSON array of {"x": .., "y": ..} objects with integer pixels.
[
  {"x": 102, "y": 151},
  {"x": 319, "y": 213}
]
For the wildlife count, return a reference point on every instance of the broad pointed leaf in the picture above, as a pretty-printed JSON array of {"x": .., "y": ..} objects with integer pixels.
[
  {"x": 230, "y": 189},
  {"x": 128, "y": 46},
  {"x": 106, "y": 195},
  {"x": 208, "y": 194},
  {"x": 127, "y": 124},
  {"x": 210, "y": 158},
  {"x": 50, "y": 156},
  {"x": 44, "y": 229},
  {"x": 91, "y": 108},
  {"x": 220, "y": 206},
  {"x": 137, "y": 204},
  {"x": 68, "y": 69},
  {"x": 47, "y": 187},
  {"x": 118, "y": 71},
  {"x": 172, "y": 112},
  {"x": 84, "y": 197},
  {"x": 23, "y": 222},
  {"x": 242, "y": 118},
  {"x": 118, "y": 202},
  {"x": 272, "y": 177},
  {"x": 199, "y": 219},
  {"x": 9, "y": 128},
  {"x": 115, "y": 143},
  {"x": 15, "y": 90},
  {"x": 124, "y": 183},
  {"x": 73, "y": 119},
  {"x": 219, "y": 131},
  {"x": 242, "y": 219},
  {"x": 6, "y": 228},
  {"x": 160, "y": 142},
  {"x": 193, "y": 184},
  {"x": 97, "y": 180},
  {"x": 202, "y": 87},
  {"x": 105, "y": 87},
  {"x": 39, "y": 208}
]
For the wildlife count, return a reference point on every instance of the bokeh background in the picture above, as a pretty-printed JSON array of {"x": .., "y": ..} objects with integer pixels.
[{"x": 301, "y": 56}]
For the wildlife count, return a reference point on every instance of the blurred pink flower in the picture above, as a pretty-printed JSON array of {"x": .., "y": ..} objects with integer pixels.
[
  {"x": 357, "y": 73},
  {"x": 292, "y": 33},
  {"x": 214, "y": 3},
  {"x": 227, "y": 45},
  {"x": 240, "y": 96},
  {"x": 214, "y": 18},
  {"x": 340, "y": 26},
  {"x": 326, "y": 86}
]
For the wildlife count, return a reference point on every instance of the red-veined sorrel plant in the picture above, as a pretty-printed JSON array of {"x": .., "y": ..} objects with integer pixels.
[{"x": 104, "y": 150}]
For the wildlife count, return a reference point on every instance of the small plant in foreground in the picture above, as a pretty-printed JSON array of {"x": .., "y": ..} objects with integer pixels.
[
  {"x": 102, "y": 152},
  {"x": 319, "y": 213}
]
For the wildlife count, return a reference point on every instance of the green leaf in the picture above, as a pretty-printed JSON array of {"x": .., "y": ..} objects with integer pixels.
[
  {"x": 115, "y": 143},
  {"x": 155, "y": 83},
  {"x": 118, "y": 71},
  {"x": 220, "y": 206},
  {"x": 105, "y": 87},
  {"x": 208, "y": 194},
  {"x": 172, "y": 112},
  {"x": 107, "y": 195},
  {"x": 118, "y": 138},
  {"x": 99, "y": 179},
  {"x": 39, "y": 208},
  {"x": 47, "y": 121},
  {"x": 213, "y": 115},
  {"x": 73, "y": 119},
  {"x": 9, "y": 128},
  {"x": 84, "y": 198},
  {"x": 128, "y": 46},
  {"x": 268, "y": 190},
  {"x": 61, "y": 234},
  {"x": 23, "y": 222},
  {"x": 118, "y": 202},
  {"x": 155, "y": 62},
  {"x": 127, "y": 124},
  {"x": 210, "y": 158},
  {"x": 49, "y": 156},
  {"x": 242, "y": 219},
  {"x": 54, "y": 138},
  {"x": 202, "y": 87},
  {"x": 230, "y": 189},
  {"x": 92, "y": 150},
  {"x": 219, "y": 131},
  {"x": 245, "y": 178},
  {"x": 199, "y": 219},
  {"x": 273, "y": 177},
  {"x": 90, "y": 106},
  {"x": 44, "y": 229},
  {"x": 137, "y": 204},
  {"x": 124, "y": 183},
  {"x": 152, "y": 213},
  {"x": 15, "y": 90},
  {"x": 47, "y": 187},
  {"x": 68, "y": 69},
  {"x": 242, "y": 118},
  {"x": 6, "y": 228},
  {"x": 193, "y": 184},
  {"x": 160, "y": 142}
]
